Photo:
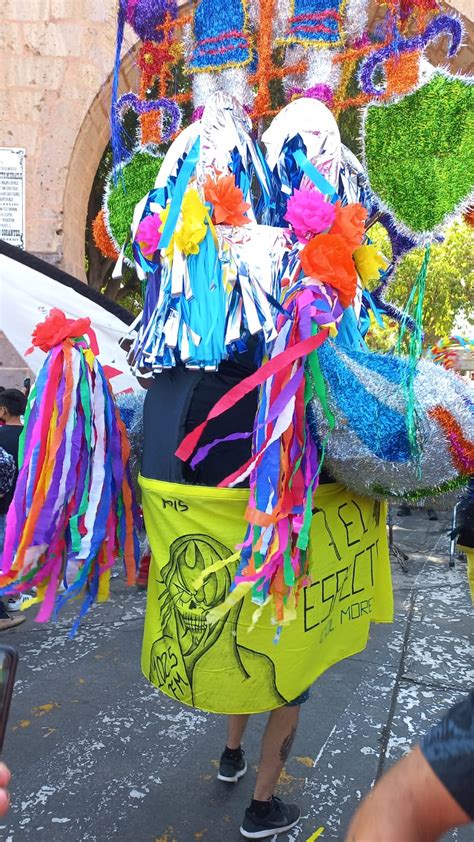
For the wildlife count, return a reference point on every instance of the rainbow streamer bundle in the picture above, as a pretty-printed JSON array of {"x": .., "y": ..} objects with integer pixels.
[
  {"x": 285, "y": 464},
  {"x": 448, "y": 351},
  {"x": 73, "y": 514}
]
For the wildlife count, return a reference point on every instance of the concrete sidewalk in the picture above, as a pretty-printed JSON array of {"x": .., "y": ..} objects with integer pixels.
[{"x": 98, "y": 754}]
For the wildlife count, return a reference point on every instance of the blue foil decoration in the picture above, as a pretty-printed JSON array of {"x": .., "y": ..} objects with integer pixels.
[
  {"x": 315, "y": 22},
  {"x": 220, "y": 35},
  {"x": 357, "y": 404}
]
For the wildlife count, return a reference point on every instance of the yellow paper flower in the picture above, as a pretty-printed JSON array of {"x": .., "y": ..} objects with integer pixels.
[
  {"x": 193, "y": 227},
  {"x": 368, "y": 261}
]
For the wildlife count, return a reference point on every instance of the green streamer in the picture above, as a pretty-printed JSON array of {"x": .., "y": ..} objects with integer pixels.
[
  {"x": 85, "y": 401},
  {"x": 21, "y": 443},
  {"x": 414, "y": 309},
  {"x": 422, "y": 493}
]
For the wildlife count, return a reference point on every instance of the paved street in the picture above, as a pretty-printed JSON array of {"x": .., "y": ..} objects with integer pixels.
[{"x": 97, "y": 754}]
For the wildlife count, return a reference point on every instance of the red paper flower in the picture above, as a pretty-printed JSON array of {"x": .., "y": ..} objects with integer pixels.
[
  {"x": 350, "y": 223},
  {"x": 56, "y": 328},
  {"x": 328, "y": 258},
  {"x": 227, "y": 200}
]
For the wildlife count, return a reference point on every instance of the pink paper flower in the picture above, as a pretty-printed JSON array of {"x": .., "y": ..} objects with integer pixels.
[
  {"x": 308, "y": 214},
  {"x": 148, "y": 234}
]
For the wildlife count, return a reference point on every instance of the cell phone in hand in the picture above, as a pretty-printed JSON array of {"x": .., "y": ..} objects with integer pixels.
[{"x": 8, "y": 665}]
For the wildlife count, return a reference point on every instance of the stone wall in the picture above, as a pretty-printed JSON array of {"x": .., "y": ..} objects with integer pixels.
[
  {"x": 13, "y": 369},
  {"x": 56, "y": 57}
]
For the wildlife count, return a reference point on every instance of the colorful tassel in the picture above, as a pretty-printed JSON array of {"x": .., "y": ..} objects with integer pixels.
[
  {"x": 285, "y": 465},
  {"x": 73, "y": 514}
]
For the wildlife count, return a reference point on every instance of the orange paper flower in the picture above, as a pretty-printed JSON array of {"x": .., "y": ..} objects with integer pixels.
[
  {"x": 328, "y": 258},
  {"x": 350, "y": 223},
  {"x": 227, "y": 200}
]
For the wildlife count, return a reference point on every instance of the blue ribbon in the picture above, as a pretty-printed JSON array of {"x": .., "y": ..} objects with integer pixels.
[
  {"x": 185, "y": 173},
  {"x": 316, "y": 177},
  {"x": 349, "y": 335}
]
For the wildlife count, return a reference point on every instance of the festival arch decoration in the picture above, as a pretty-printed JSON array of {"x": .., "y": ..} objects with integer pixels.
[{"x": 272, "y": 435}]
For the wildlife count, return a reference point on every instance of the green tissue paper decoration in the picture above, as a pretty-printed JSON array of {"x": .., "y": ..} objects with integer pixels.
[
  {"x": 419, "y": 152},
  {"x": 135, "y": 179}
]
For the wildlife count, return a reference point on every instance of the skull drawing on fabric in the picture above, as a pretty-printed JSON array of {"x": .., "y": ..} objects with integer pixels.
[{"x": 189, "y": 556}]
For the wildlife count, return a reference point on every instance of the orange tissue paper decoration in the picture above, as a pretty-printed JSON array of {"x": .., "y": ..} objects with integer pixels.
[
  {"x": 227, "y": 200},
  {"x": 468, "y": 217},
  {"x": 350, "y": 223},
  {"x": 328, "y": 258},
  {"x": 102, "y": 237}
]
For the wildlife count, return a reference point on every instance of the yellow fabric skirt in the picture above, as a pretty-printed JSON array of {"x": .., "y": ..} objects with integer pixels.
[
  {"x": 469, "y": 552},
  {"x": 228, "y": 667}
]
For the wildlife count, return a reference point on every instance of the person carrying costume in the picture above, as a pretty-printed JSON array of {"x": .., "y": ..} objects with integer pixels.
[{"x": 237, "y": 648}]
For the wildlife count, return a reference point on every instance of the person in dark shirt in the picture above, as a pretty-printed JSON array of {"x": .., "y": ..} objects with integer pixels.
[
  {"x": 429, "y": 791},
  {"x": 12, "y": 407},
  {"x": 7, "y": 471}
]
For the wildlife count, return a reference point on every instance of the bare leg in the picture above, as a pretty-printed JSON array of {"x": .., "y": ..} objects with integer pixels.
[
  {"x": 236, "y": 725},
  {"x": 276, "y": 746}
]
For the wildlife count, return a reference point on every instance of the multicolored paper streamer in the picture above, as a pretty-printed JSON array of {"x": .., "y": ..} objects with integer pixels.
[{"x": 73, "y": 514}]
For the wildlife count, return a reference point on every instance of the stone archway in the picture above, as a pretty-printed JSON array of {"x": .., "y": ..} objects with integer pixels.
[{"x": 93, "y": 137}]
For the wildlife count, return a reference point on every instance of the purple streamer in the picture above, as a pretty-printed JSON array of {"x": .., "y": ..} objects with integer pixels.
[
  {"x": 447, "y": 25},
  {"x": 378, "y": 296},
  {"x": 144, "y": 16},
  {"x": 443, "y": 24},
  {"x": 363, "y": 41},
  {"x": 197, "y": 113},
  {"x": 369, "y": 66},
  {"x": 285, "y": 395},
  {"x": 401, "y": 243},
  {"x": 321, "y": 92}
]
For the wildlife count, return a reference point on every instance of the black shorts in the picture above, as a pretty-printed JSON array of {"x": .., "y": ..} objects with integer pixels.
[{"x": 300, "y": 700}]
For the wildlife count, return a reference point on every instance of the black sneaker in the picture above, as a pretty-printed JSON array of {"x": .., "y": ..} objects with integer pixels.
[
  {"x": 404, "y": 510},
  {"x": 281, "y": 817},
  {"x": 232, "y": 768}
]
